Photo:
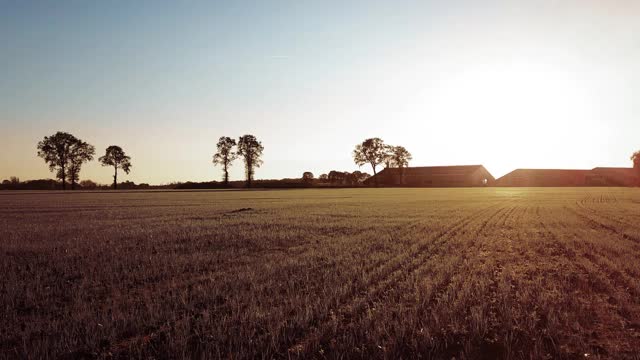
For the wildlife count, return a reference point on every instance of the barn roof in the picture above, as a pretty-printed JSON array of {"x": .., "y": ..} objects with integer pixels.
[
  {"x": 543, "y": 172},
  {"x": 426, "y": 172},
  {"x": 572, "y": 172},
  {"x": 617, "y": 170},
  {"x": 459, "y": 170}
]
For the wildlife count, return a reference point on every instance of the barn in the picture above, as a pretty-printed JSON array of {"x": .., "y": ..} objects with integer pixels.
[
  {"x": 560, "y": 177},
  {"x": 544, "y": 177},
  {"x": 608, "y": 176},
  {"x": 433, "y": 176}
]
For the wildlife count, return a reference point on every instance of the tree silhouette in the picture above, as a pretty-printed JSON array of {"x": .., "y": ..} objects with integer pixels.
[
  {"x": 371, "y": 151},
  {"x": 400, "y": 158},
  {"x": 115, "y": 156},
  {"x": 358, "y": 177},
  {"x": 388, "y": 157},
  {"x": 225, "y": 156},
  {"x": 251, "y": 150},
  {"x": 337, "y": 177},
  {"x": 88, "y": 184},
  {"x": 61, "y": 151},
  {"x": 80, "y": 153},
  {"x": 307, "y": 177}
]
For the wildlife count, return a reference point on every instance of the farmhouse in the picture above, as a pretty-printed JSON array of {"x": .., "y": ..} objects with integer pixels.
[
  {"x": 559, "y": 177},
  {"x": 433, "y": 176}
]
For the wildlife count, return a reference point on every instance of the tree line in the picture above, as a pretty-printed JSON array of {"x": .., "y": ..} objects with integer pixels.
[
  {"x": 65, "y": 154},
  {"x": 372, "y": 152}
]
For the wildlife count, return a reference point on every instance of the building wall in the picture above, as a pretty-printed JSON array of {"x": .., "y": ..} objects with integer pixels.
[{"x": 440, "y": 180}]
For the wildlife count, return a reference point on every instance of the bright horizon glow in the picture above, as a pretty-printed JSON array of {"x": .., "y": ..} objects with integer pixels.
[{"x": 519, "y": 84}]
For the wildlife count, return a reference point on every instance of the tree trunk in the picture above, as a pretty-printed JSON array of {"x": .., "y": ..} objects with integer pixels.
[
  {"x": 375, "y": 179},
  {"x": 249, "y": 172},
  {"x": 226, "y": 173},
  {"x": 64, "y": 178},
  {"x": 115, "y": 178},
  {"x": 72, "y": 172}
]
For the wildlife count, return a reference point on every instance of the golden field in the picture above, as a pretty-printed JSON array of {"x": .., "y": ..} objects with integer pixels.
[{"x": 527, "y": 273}]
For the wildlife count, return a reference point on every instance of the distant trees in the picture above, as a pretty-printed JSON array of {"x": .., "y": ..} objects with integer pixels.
[
  {"x": 115, "y": 156},
  {"x": 88, "y": 184},
  {"x": 251, "y": 151},
  {"x": 345, "y": 178},
  {"x": 225, "y": 155},
  {"x": 336, "y": 177},
  {"x": 371, "y": 151},
  {"x": 323, "y": 178},
  {"x": 359, "y": 177},
  {"x": 65, "y": 154},
  {"x": 307, "y": 177},
  {"x": 44, "y": 184}
]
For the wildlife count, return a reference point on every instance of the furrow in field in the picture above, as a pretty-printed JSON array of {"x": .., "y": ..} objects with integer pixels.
[
  {"x": 392, "y": 273},
  {"x": 599, "y": 224},
  {"x": 461, "y": 316},
  {"x": 418, "y": 263},
  {"x": 616, "y": 272},
  {"x": 387, "y": 272},
  {"x": 604, "y": 215},
  {"x": 617, "y": 312}
]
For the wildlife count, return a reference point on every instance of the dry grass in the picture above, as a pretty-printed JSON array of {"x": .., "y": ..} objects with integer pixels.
[{"x": 353, "y": 273}]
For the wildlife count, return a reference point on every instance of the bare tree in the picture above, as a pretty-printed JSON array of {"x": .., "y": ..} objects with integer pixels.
[
  {"x": 251, "y": 150},
  {"x": 225, "y": 155},
  {"x": 371, "y": 151},
  {"x": 115, "y": 156},
  {"x": 58, "y": 151}
]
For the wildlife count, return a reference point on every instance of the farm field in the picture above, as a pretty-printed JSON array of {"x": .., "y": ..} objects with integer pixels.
[{"x": 515, "y": 273}]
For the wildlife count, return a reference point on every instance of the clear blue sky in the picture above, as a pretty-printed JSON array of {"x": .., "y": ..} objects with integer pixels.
[{"x": 506, "y": 84}]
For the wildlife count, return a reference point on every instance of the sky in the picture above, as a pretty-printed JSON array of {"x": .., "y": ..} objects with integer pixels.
[{"x": 507, "y": 84}]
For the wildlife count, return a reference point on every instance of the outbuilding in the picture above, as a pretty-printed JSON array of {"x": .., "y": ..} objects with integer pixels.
[{"x": 433, "y": 176}]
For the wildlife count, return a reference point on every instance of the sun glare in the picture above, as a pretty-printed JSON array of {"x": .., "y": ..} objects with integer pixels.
[{"x": 509, "y": 107}]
